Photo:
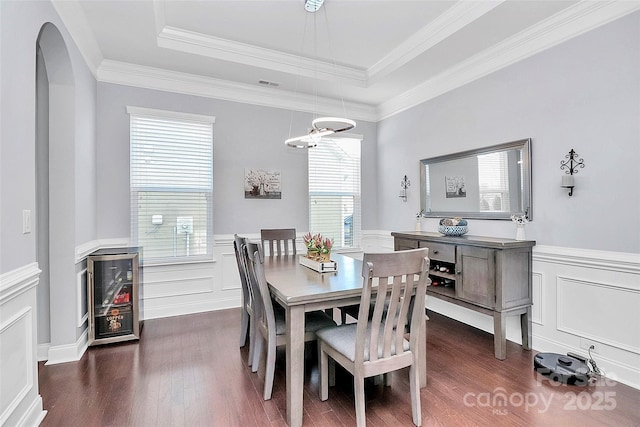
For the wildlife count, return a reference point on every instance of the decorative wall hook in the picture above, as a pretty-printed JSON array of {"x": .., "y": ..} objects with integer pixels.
[
  {"x": 571, "y": 167},
  {"x": 404, "y": 184}
]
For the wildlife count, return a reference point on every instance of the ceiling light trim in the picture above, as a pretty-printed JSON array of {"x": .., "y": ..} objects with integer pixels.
[{"x": 560, "y": 27}]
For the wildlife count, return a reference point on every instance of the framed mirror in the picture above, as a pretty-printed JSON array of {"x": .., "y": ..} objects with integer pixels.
[{"x": 487, "y": 183}]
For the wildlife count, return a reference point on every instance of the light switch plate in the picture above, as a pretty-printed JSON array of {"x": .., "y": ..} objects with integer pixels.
[{"x": 26, "y": 221}]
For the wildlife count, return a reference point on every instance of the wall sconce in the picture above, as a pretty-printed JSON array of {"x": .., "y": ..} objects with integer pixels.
[
  {"x": 404, "y": 184},
  {"x": 571, "y": 167}
]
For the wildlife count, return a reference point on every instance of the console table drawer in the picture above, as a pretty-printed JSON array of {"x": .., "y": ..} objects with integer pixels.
[{"x": 440, "y": 252}]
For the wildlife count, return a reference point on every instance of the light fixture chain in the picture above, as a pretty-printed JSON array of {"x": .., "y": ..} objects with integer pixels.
[
  {"x": 335, "y": 64},
  {"x": 296, "y": 96}
]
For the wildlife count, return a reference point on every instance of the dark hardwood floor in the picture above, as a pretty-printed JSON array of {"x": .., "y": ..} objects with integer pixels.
[{"x": 189, "y": 371}]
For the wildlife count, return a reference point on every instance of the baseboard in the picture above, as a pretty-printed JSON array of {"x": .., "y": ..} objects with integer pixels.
[
  {"x": 34, "y": 415},
  {"x": 43, "y": 352},
  {"x": 70, "y": 352}
]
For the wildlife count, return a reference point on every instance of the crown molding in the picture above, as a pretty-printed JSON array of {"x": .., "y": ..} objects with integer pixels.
[
  {"x": 452, "y": 20},
  {"x": 581, "y": 17},
  {"x": 189, "y": 84},
  {"x": 567, "y": 24},
  {"x": 75, "y": 22},
  {"x": 242, "y": 53}
]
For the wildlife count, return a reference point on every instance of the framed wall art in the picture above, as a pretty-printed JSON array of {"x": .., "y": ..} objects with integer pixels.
[{"x": 262, "y": 184}]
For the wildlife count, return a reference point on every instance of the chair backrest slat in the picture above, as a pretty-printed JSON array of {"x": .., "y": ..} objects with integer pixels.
[
  {"x": 259, "y": 281},
  {"x": 238, "y": 247},
  {"x": 279, "y": 241},
  {"x": 382, "y": 333}
]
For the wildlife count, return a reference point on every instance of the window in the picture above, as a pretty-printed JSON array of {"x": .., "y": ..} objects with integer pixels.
[
  {"x": 493, "y": 176},
  {"x": 334, "y": 191},
  {"x": 171, "y": 175}
]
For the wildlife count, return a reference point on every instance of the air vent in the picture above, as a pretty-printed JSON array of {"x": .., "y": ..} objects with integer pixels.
[{"x": 268, "y": 83}]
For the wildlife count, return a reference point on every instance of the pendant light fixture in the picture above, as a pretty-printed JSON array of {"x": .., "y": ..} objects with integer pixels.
[{"x": 320, "y": 126}]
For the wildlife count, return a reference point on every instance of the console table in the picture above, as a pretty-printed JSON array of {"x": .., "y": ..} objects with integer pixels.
[{"x": 484, "y": 274}]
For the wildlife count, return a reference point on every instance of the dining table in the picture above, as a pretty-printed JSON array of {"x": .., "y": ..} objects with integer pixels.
[{"x": 299, "y": 289}]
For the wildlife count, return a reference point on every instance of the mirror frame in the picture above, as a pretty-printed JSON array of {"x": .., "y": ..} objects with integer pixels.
[{"x": 522, "y": 144}]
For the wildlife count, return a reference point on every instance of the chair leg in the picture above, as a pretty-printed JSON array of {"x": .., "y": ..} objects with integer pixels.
[
  {"x": 323, "y": 362},
  {"x": 252, "y": 342},
  {"x": 414, "y": 384},
  {"x": 332, "y": 372},
  {"x": 269, "y": 370},
  {"x": 358, "y": 390},
  {"x": 244, "y": 327},
  {"x": 256, "y": 351}
]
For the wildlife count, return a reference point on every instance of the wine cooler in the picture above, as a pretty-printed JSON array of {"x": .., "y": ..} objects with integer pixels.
[{"x": 113, "y": 281}]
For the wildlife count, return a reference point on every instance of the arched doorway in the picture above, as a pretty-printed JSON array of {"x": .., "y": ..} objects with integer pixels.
[{"x": 55, "y": 189}]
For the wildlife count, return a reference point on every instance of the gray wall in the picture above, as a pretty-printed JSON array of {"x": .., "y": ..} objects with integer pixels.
[
  {"x": 245, "y": 136},
  {"x": 19, "y": 29},
  {"x": 72, "y": 142},
  {"x": 583, "y": 94}
]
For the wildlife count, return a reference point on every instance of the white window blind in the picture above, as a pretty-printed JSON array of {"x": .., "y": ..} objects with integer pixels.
[
  {"x": 171, "y": 175},
  {"x": 493, "y": 177},
  {"x": 334, "y": 191}
]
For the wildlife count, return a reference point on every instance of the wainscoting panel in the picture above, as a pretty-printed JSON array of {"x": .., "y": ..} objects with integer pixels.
[
  {"x": 187, "y": 286},
  {"x": 172, "y": 290},
  {"x": 537, "y": 313},
  {"x": 606, "y": 319},
  {"x": 81, "y": 288},
  {"x": 230, "y": 274},
  {"x": 20, "y": 402},
  {"x": 16, "y": 354}
]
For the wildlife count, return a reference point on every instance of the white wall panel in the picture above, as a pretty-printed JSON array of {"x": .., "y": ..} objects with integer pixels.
[
  {"x": 20, "y": 402},
  {"x": 81, "y": 288},
  {"x": 537, "y": 313},
  {"x": 599, "y": 311},
  {"x": 16, "y": 353},
  {"x": 230, "y": 274}
]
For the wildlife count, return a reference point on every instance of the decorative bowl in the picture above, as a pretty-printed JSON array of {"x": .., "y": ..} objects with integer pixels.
[{"x": 452, "y": 230}]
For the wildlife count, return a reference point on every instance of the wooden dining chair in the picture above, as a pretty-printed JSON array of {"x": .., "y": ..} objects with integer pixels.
[
  {"x": 271, "y": 326},
  {"x": 280, "y": 241},
  {"x": 376, "y": 343},
  {"x": 247, "y": 316}
]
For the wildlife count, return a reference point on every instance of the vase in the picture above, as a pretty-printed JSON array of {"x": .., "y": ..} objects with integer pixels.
[
  {"x": 312, "y": 254},
  {"x": 520, "y": 232},
  {"x": 324, "y": 257},
  {"x": 418, "y": 225}
]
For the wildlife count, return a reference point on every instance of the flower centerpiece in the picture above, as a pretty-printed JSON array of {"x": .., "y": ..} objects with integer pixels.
[
  {"x": 521, "y": 221},
  {"x": 318, "y": 247}
]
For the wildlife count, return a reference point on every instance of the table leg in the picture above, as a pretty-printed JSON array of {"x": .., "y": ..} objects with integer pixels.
[
  {"x": 500, "y": 335},
  {"x": 295, "y": 364},
  {"x": 525, "y": 326}
]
